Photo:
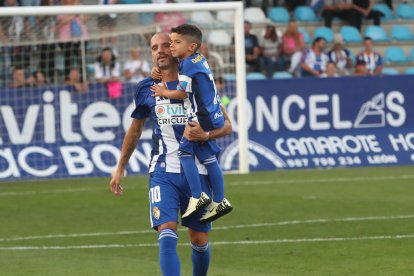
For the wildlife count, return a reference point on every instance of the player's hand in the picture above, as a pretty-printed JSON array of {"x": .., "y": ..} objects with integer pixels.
[
  {"x": 158, "y": 90},
  {"x": 195, "y": 133},
  {"x": 115, "y": 183},
  {"x": 156, "y": 73}
]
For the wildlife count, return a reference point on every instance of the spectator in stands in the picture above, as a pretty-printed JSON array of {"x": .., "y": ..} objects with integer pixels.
[
  {"x": 373, "y": 59},
  {"x": 340, "y": 56},
  {"x": 363, "y": 9},
  {"x": 336, "y": 8},
  {"x": 252, "y": 49},
  {"x": 107, "y": 69},
  {"x": 292, "y": 42},
  {"x": 317, "y": 6},
  {"x": 15, "y": 29},
  {"x": 291, "y": 5},
  {"x": 47, "y": 26},
  {"x": 314, "y": 60},
  {"x": 389, "y": 4},
  {"x": 39, "y": 78},
  {"x": 295, "y": 69},
  {"x": 74, "y": 80},
  {"x": 265, "y": 5},
  {"x": 11, "y": 28},
  {"x": 19, "y": 80},
  {"x": 330, "y": 71},
  {"x": 31, "y": 19},
  {"x": 107, "y": 23},
  {"x": 213, "y": 60},
  {"x": 136, "y": 69},
  {"x": 361, "y": 68},
  {"x": 71, "y": 30},
  {"x": 270, "y": 47},
  {"x": 168, "y": 20}
]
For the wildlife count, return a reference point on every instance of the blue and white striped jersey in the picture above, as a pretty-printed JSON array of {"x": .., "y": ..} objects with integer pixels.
[
  {"x": 203, "y": 101},
  {"x": 169, "y": 118}
]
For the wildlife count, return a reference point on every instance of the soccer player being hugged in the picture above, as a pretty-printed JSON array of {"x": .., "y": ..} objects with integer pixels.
[{"x": 196, "y": 87}]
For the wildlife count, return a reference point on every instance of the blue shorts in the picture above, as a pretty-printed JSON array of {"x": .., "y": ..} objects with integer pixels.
[
  {"x": 202, "y": 150},
  {"x": 169, "y": 193}
]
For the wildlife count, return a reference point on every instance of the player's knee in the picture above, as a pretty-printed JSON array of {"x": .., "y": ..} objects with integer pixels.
[
  {"x": 198, "y": 238},
  {"x": 171, "y": 225}
]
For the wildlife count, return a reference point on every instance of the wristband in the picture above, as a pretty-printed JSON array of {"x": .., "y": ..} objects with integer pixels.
[{"x": 208, "y": 135}]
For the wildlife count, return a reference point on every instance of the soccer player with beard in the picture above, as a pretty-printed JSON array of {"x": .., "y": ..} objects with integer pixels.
[{"x": 169, "y": 189}]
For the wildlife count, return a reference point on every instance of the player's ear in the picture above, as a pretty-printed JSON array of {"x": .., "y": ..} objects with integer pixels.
[{"x": 193, "y": 46}]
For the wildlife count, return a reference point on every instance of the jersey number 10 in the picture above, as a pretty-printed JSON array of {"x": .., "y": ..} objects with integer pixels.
[{"x": 155, "y": 194}]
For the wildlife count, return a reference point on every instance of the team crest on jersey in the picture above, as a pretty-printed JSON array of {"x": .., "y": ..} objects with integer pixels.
[{"x": 156, "y": 212}]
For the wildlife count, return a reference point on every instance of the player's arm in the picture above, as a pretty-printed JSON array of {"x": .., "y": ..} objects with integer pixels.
[
  {"x": 194, "y": 132},
  {"x": 130, "y": 142},
  {"x": 162, "y": 91}
]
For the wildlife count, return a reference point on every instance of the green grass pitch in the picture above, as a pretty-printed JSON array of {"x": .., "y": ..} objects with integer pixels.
[{"x": 319, "y": 222}]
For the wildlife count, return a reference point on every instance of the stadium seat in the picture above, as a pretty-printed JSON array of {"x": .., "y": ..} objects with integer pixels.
[
  {"x": 146, "y": 19},
  {"x": 225, "y": 16},
  {"x": 282, "y": 75},
  {"x": 401, "y": 33},
  {"x": 350, "y": 34},
  {"x": 219, "y": 38},
  {"x": 202, "y": 17},
  {"x": 229, "y": 77},
  {"x": 388, "y": 15},
  {"x": 255, "y": 15},
  {"x": 306, "y": 36},
  {"x": 390, "y": 71},
  {"x": 279, "y": 15},
  {"x": 376, "y": 33},
  {"x": 305, "y": 14},
  {"x": 324, "y": 32},
  {"x": 255, "y": 76},
  {"x": 409, "y": 71},
  {"x": 132, "y": 2},
  {"x": 405, "y": 11},
  {"x": 412, "y": 55},
  {"x": 395, "y": 54}
]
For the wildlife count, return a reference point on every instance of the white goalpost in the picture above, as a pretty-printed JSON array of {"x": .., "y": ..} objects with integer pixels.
[{"x": 51, "y": 131}]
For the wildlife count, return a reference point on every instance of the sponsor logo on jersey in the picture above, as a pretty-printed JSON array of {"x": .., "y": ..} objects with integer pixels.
[
  {"x": 197, "y": 59},
  {"x": 218, "y": 115},
  {"x": 169, "y": 110},
  {"x": 170, "y": 114},
  {"x": 172, "y": 121}
]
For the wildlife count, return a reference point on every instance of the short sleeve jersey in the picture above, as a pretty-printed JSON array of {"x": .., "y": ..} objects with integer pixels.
[
  {"x": 316, "y": 62},
  {"x": 169, "y": 118},
  {"x": 372, "y": 60},
  {"x": 203, "y": 102}
]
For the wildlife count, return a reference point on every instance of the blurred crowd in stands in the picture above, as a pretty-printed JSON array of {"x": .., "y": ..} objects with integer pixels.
[
  {"x": 276, "y": 52},
  {"x": 268, "y": 49}
]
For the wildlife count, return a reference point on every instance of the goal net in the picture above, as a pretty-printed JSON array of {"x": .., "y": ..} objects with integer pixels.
[{"x": 64, "y": 114}]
